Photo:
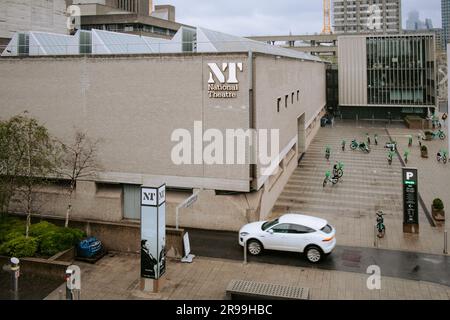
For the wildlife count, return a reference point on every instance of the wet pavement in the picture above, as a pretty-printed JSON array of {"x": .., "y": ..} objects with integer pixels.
[
  {"x": 30, "y": 287},
  {"x": 397, "y": 264}
]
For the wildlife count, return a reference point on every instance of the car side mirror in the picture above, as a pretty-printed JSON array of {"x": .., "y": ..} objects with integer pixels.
[{"x": 270, "y": 231}]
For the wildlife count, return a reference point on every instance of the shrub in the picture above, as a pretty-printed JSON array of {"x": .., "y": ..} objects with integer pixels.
[
  {"x": 438, "y": 204},
  {"x": 9, "y": 227},
  {"x": 20, "y": 247},
  {"x": 424, "y": 149},
  {"x": 59, "y": 240},
  {"x": 42, "y": 228}
]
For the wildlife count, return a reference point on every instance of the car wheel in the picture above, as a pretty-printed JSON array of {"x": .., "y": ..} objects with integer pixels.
[
  {"x": 254, "y": 247},
  {"x": 314, "y": 254}
]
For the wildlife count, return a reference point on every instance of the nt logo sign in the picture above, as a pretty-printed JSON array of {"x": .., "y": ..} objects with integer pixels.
[{"x": 223, "y": 81}]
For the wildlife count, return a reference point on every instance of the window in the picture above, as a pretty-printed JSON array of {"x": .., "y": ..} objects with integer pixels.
[
  {"x": 292, "y": 98},
  {"x": 298, "y": 95},
  {"x": 269, "y": 224},
  {"x": 286, "y": 97},
  {"x": 24, "y": 44},
  {"x": 281, "y": 228},
  {"x": 131, "y": 202},
  {"x": 85, "y": 42},
  {"x": 278, "y": 104},
  {"x": 299, "y": 229},
  {"x": 327, "y": 229}
]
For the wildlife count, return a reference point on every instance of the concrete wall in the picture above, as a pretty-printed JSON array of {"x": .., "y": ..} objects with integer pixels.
[
  {"x": 352, "y": 71},
  {"x": 275, "y": 78},
  {"x": 134, "y": 103},
  {"x": 36, "y": 15}
]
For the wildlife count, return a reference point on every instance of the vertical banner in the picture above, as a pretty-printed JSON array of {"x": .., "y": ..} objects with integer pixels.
[
  {"x": 410, "y": 200},
  {"x": 153, "y": 232}
]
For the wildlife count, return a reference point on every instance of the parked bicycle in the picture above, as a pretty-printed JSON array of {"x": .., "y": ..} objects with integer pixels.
[
  {"x": 442, "y": 155},
  {"x": 439, "y": 134},
  {"x": 381, "y": 228},
  {"x": 338, "y": 170},
  {"x": 392, "y": 146},
  {"x": 327, "y": 153},
  {"x": 390, "y": 157},
  {"x": 329, "y": 179},
  {"x": 406, "y": 156},
  {"x": 361, "y": 146}
]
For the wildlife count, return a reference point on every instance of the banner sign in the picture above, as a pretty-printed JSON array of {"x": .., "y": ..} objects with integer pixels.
[
  {"x": 153, "y": 232},
  {"x": 410, "y": 196}
]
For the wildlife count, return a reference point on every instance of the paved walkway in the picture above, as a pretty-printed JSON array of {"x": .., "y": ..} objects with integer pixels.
[
  {"x": 117, "y": 278},
  {"x": 397, "y": 264},
  {"x": 369, "y": 184}
]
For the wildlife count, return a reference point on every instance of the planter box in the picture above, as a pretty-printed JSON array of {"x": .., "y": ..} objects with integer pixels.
[
  {"x": 424, "y": 154},
  {"x": 438, "y": 215},
  {"x": 417, "y": 123}
]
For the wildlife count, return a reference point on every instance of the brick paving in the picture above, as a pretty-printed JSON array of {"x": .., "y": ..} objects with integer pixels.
[
  {"x": 369, "y": 184},
  {"x": 117, "y": 278}
]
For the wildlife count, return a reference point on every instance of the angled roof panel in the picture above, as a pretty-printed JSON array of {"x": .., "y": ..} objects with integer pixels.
[
  {"x": 44, "y": 43},
  {"x": 229, "y": 43},
  {"x": 120, "y": 43}
]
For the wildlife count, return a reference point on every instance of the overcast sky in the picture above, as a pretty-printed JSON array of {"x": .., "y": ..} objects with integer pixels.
[{"x": 273, "y": 17}]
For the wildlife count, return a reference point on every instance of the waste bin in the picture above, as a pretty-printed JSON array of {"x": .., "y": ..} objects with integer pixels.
[{"x": 323, "y": 121}]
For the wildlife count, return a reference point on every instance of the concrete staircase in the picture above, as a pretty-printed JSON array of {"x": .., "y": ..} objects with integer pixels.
[{"x": 369, "y": 183}]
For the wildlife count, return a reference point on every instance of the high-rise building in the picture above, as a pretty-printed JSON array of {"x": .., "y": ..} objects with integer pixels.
[
  {"x": 414, "y": 23},
  {"x": 367, "y": 16},
  {"x": 445, "y": 11}
]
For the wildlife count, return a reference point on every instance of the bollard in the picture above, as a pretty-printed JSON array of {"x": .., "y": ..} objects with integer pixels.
[
  {"x": 245, "y": 252},
  {"x": 445, "y": 242},
  {"x": 15, "y": 273}
]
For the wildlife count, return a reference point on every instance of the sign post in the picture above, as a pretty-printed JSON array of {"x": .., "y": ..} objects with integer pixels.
[
  {"x": 410, "y": 200},
  {"x": 153, "y": 237},
  {"x": 189, "y": 202}
]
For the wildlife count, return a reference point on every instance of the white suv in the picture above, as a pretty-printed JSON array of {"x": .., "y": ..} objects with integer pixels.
[{"x": 291, "y": 232}]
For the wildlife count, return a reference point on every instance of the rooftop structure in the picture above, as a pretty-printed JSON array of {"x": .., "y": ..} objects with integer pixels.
[{"x": 105, "y": 42}]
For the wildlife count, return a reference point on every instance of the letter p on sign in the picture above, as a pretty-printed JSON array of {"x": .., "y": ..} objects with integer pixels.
[{"x": 409, "y": 175}]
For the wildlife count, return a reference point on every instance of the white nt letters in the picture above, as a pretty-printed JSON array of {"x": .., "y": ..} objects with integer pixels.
[{"x": 219, "y": 73}]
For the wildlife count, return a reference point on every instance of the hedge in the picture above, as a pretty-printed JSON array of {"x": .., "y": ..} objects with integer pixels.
[
  {"x": 20, "y": 247},
  {"x": 45, "y": 238}
]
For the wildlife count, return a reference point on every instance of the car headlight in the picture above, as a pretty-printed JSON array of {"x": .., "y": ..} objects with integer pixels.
[{"x": 244, "y": 234}]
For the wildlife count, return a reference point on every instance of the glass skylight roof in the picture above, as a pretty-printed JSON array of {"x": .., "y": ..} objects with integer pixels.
[{"x": 106, "y": 42}]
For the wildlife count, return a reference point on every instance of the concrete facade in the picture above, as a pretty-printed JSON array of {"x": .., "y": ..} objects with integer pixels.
[
  {"x": 133, "y": 104},
  {"x": 37, "y": 15}
]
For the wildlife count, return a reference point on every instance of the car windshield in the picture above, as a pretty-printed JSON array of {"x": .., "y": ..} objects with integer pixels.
[{"x": 269, "y": 224}]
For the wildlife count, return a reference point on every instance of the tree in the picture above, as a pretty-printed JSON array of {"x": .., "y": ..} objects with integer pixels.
[
  {"x": 11, "y": 157},
  {"x": 78, "y": 162},
  {"x": 40, "y": 157}
]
